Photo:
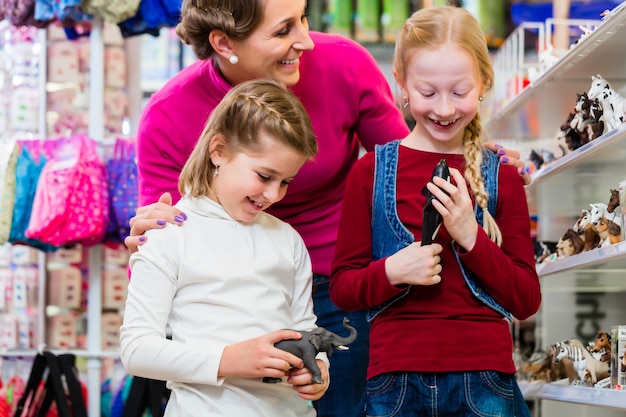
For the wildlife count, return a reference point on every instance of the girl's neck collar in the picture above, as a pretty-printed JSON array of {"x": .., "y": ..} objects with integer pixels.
[{"x": 414, "y": 141}]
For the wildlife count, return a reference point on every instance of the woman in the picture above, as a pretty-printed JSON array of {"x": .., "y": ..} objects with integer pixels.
[{"x": 350, "y": 105}]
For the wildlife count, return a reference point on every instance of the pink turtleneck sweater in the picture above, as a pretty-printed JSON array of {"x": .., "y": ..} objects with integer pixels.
[{"x": 350, "y": 104}]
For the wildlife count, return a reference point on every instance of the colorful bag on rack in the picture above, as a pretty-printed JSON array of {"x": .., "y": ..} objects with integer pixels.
[
  {"x": 8, "y": 161},
  {"x": 151, "y": 16},
  {"x": 53, "y": 388},
  {"x": 71, "y": 202},
  {"x": 112, "y": 11},
  {"x": 27, "y": 174},
  {"x": 22, "y": 13},
  {"x": 67, "y": 11},
  {"x": 123, "y": 188}
]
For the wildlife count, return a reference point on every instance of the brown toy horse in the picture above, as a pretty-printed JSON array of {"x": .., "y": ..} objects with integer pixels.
[{"x": 602, "y": 345}]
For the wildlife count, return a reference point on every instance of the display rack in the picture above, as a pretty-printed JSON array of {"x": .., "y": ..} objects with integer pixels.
[
  {"x": 531, "y": 121},
  {"x": 573, "y": 394}
]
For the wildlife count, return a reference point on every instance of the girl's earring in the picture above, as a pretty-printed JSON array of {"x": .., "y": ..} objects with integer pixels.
[
  {"x": 405, "y": 104},
  {"x": 216, "y": 171},
  {"x": 481, "y": 98},
  {"x": 233, "y": 59}
]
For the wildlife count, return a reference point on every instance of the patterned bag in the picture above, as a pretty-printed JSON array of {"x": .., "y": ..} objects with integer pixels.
[
  {"x": 123, "y": 189},
  {"x": 112, "y": 11},
  {"x": 8, "y": 161},
  {"x": 22, "y": 13},
  {"x": 71, "y": 201},
  {"x": 27, "y": 173}
]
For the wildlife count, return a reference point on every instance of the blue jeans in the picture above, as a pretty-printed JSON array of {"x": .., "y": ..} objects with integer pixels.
[
  {"x": 411, "y": 394},
  {"x": 348, "y": 368}
]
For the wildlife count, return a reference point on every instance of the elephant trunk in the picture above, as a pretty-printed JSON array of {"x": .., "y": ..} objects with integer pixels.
[{"x": 342, "y": 342}]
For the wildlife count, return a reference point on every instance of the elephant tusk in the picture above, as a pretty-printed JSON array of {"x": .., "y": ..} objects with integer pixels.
[{"x": 342, "y": 347}]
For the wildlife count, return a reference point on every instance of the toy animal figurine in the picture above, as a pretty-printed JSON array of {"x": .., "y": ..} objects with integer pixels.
[
  {"x": 587, "y": 366},
  {"x": 609, "y": 232},
  {"x": 570, "y": 135},
  {"x": 613, "y": 104},
  {"x": 537, "y": 367},
  {"x": 613, "y": 201},
  {"x": 432, "y": 218},
  {"x": 312, "y": 342},
  {"x": 595, "y": 125},
  {"x": 599, "y": 210},
  {"x": 574, "y": 366},
  {"x": 569, "y": 244},
  {"x": 602, "y": 346}
]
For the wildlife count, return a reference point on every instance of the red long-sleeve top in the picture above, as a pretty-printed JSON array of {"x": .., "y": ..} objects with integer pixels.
[{"x": 440, "y": 328}]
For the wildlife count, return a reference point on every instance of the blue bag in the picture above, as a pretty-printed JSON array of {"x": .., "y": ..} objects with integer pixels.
[{"x": 123, "y": 189}]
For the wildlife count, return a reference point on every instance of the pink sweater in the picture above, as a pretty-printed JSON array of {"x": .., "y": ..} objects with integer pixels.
[{"x": 345, "y": 94}]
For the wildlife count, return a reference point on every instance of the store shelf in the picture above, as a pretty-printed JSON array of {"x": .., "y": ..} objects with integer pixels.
[
  {"x": 586, "y": 290},
  {"x": 580, "y": 395},
  {"x": 539, "y": 110},
  {"x": 605, "y": 150},
  {"x": 612, "y": 257}
]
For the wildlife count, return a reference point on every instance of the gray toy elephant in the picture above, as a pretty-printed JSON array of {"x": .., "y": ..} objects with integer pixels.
[{"x": 314, "y": 341}]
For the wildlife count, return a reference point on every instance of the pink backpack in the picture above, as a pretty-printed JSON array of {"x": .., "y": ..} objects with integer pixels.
[{"x": 71, "y": 201}]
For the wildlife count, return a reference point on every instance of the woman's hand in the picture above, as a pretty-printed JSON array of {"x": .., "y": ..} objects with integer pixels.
[
  {"x": 258, "y": 357},
  {"x": 510, "y": 157},
  {"x": 301, "y": 379},
  {"x": 152, "y": 216}
]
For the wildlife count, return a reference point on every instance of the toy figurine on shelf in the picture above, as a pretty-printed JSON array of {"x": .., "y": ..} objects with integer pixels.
[
  {"x": 613, "y": 104},
  {"x": 569, "y": 244},
  {"x": 586, "y": 231},
  {"x": 584, "y": 124},
  {"x": 589, "y": 368},
  {"x": 601, "y": 347}
]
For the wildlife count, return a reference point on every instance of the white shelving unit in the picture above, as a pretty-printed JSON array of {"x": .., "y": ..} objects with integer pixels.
[{"x": 559, "y": 192}]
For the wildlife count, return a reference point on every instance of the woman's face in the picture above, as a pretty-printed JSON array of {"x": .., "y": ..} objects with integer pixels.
[{"x": 273, "y": 50}]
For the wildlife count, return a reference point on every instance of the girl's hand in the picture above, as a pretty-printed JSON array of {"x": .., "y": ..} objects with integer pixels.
[
  {"x": 258, "y": 357},
  {"x": 301, "y": 381},
  {"x": 152, "y": 216},
  {"x": 415, "y": 265},
  {"x": 456, "y": 208},
  {"x": 510, "y": 157}
]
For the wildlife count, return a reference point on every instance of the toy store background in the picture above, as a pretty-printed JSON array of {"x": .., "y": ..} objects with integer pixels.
[{"x": 74, "y": 76}]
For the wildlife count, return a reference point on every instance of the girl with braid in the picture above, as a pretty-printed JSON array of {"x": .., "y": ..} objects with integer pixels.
[
  {"x": 440, "y": 341},
  {"x": 228, "y": 282}
]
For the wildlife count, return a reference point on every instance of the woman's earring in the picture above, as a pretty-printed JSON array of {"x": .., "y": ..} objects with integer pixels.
[
  {"x": 405, "y": 104},
  {"x": 216, "y": 171},
  {"x": 481, "y": 98},
  {"x": 233, "y": 59}
]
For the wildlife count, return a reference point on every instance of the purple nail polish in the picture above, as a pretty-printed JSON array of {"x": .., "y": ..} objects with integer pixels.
[
  {"x": 183, "y": 215},
  {"x": 161, "y": 222},
  {"x": 142, "y": 239},
  {"x": 505, "y": 159},
  {"x": 179, "y": 219},
  {"x": 500, "y": 152}
]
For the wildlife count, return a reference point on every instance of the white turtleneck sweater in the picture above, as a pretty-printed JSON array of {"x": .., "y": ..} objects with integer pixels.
[{"x": 215, "y": 282}]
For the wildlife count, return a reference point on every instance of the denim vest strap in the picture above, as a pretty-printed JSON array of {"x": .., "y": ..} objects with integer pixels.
[{"x": 389, "y": 235}]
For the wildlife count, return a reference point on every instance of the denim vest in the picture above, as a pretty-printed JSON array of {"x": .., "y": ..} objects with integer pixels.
[{"x": 389, "y": 235}]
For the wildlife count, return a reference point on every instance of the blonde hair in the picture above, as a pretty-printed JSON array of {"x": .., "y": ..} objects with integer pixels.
[
  {"x": 249, "y": 108},
  {"x": 236, "y": 18},
  {"x": 434, "y": 26}
]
